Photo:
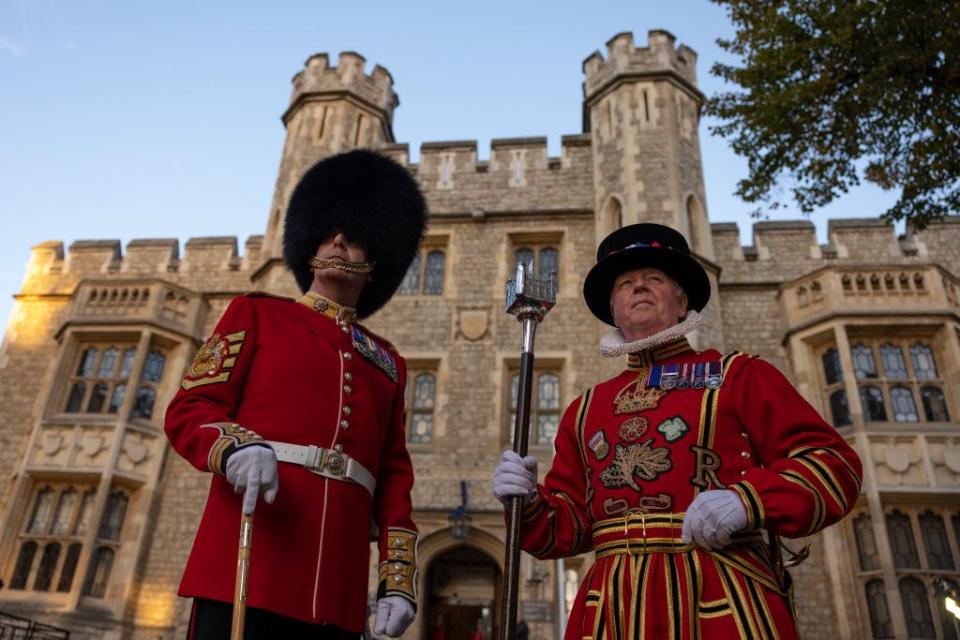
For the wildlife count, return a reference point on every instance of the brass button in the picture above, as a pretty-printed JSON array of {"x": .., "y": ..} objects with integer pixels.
[
  {"x": 321, "y": 305},
  {"x": 347, "y": 389},
  {"x": 397, "y": 566},
  {"x": 398, "y": 579},
  {"x": 744, "y": 454},
  {"x": 744, "y": 434},
  {"x": 347, "y": 356},
  {"x": 743, "y": 472},
  {"x": 398, "y": 541},
  {"x": 347, "y": 411},
  {"x": 345, "y": 424},
  {"x": 348, "y": 376},
  {"x": 345, "y": 329}
]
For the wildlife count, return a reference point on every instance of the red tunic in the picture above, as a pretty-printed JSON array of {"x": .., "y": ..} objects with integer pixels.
[
  {"x": 285, "y": 372},
  {"x": 630, "y": 459}
]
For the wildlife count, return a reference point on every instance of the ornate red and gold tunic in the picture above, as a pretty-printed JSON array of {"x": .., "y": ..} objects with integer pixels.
[
  {"x": 300, "y": 374},
  {"x": 631, "y": 455}
]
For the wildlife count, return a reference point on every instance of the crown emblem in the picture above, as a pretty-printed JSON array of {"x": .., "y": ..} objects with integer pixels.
[{"x": 637, "y": 396}]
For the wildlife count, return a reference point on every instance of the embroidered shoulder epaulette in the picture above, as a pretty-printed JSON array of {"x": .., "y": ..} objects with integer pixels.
[
  {"x": 264, "y": 294},
  {"x": 376, "y": 350}
]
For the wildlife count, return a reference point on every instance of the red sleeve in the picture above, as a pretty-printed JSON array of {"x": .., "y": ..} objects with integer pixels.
[
  {"x": 556, "y": 524},
  {"x": 392, "y": 505},
  {"x": 199, "y": 420},
  {"x": 810, "y": 477}
]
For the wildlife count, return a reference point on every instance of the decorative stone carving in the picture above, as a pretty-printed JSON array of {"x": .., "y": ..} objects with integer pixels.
[
  {"x": 945, "y": 459},
  {"x": 136, "y": 453},
  {"x": 899, "y": 461},
  {"x": 474, "y": 323}
]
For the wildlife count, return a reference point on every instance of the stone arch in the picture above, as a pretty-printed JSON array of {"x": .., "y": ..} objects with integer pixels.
[{"x": 432, "y": 548}]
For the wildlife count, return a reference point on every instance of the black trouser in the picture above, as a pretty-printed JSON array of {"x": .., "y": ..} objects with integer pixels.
[{"x": 210, "y": 620}]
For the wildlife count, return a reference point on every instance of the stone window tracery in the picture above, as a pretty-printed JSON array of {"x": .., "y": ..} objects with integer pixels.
[
  {"x": 427, "y": 273},
  {"x": 420, "y": 403}
]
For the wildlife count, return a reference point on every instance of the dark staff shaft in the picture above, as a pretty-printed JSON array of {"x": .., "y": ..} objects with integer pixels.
[{"x": 508, "y": 629}]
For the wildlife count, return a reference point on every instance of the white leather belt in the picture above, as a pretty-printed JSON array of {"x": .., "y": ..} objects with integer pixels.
[{"x": 328, "y": 463}]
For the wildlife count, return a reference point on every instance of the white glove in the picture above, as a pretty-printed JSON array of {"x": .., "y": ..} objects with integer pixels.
[
  {"x": 515, "y": 476},
  {"x": 712, "y": 517},
  {"x": 394, "y": 615},
  {"x": 252, "y": 470}
]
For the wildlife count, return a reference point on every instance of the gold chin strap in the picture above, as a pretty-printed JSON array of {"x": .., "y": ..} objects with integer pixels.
[{"x": 350, "y": 267}]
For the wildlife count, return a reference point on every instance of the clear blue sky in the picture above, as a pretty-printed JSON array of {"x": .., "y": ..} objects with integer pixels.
[{"x": 122, "y": 120}]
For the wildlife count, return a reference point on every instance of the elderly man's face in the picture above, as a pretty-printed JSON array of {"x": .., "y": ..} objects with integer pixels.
[{"x": 645, "y": 301}]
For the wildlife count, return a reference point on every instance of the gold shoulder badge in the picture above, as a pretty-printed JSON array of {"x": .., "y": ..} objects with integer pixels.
[{"x": 214, "y": 360}]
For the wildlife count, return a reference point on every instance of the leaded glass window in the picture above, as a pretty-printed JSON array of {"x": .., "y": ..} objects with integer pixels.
[
  {"x": 24, "y": 563},
  {"x": 549, "y": 261},
  {"x": 421, "y": 401},
  {"x": 433, "y": 275},
  {"x": 48, "y": 564},
  {"x": 87, "y": 360},
  {"x": 916, "y": 609},
  {"x": 524, "y": 256},
  {"x": 924, "y": 366},
  {"x": 866, "y": 545},
  {"x": 864, "y": 365},
  {"x": 100, "y": 379},
  {"x": 61, "y": 519},
  {"x": 832, "y": 370},
  {"x": 934, "y": 404},
  {"x": 143, "y": 403},
  {"x": 411, "y": 281},
  {"x": 902, "y": 544},
  {"x": 839, "y": 409},
  {"x": 548, "y": 407},
  {"x": 99, "y": 573},
  {"x": 539, "y": 260},
  {"x": 69, "y": 568},
  {"x": 153, "y": 368},
  {"x": 904, "y": 408},
  {"x": 880, "y": 620},
  {"x": 894, "y": 366},
  {"x": 935, "y": 541},
  {"x": 42, "y": 508},
  {"x": 871, "y": 398},
  {"x": 113, "y": 516}
]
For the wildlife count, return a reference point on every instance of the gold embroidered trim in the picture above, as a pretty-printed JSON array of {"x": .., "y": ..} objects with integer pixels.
[
  {"x": 315, "y": 301},
  {"x": 230, "y": 435},
  {"x": 398, "y": 572}
]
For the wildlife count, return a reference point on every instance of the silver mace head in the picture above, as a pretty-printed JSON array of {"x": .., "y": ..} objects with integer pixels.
[{"x": 530, "y": 296}]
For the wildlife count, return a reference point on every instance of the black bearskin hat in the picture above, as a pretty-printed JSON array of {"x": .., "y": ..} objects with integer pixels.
[{"x": 373, "y": 201}]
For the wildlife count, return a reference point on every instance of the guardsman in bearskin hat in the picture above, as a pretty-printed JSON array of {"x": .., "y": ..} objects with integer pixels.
[
  {"x": 672, "y": 470},
  {"x": 294, "y": 401}
]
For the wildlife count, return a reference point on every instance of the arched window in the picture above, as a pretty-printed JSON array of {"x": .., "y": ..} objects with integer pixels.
[
  {"x": 549, "y": 261},
  {"x": 880, "y": 621},
  {"x": 901, "y": 541},
  {"x": 420, "y": 420},
  {"x": 523, "y": 256},
  {"x": 116, "y": 400},
  {"x": 904, "y": 408},
  {"x": 24, "y": 563},
  {"x": 95, "y": 405},
  {"x": 87, "y": 359},
  {"x": 832, "y": 370},
  {"x": 69, "y": 568},
  {"x": 872, "y": 400},
  {"x": 934, "y": 404},
  {"x": 924, "y": 366},
  {"x": 107, "y": 363},
  {"x": 935, "y": 541},
  {"x": 113, "y": 516},
  {"x": 153, "y": 369},
  {"x": 61, "y": 518},
  {"x": 143, "y": 403},
  {"x": 42, "y": 508},
  {"x": 916, "y": 609},
  {"x": 48, "y": 564},
  {"x": 894, "y": 366},
  {"x": 411, "y": 281},
  {"x": 866, "y": 546},
  {"x": 839, "y": 410},
  {"x": 99, "y": 573},
  {"x": 433, "y": 275},
  {"x": 126, "y": 365},
  {"x": 83, "y": 516},
  {"x": 864, "y": 366},
  {"x": 75, "y": 399},
  {"x": 548, "y": 407}
]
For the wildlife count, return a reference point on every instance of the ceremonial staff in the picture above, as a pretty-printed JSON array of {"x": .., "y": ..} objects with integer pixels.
[
  {"x": 243, "y": 571},
  {"x": 529, "y": 298}
]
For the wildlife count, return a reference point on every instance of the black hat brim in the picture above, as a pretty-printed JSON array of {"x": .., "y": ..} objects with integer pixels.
[{"x": 688, "y": 273}]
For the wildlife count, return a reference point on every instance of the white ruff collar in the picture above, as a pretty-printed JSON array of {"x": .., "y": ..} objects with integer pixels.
[{"x": 614, "y": 344}]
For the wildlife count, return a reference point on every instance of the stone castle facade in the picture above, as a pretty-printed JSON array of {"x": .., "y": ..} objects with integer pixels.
[{"x": 98, "y": 514}]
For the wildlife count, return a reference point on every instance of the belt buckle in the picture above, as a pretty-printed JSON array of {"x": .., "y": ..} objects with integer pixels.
[
  {"x": 643, "y": 530},
  {"x": 327, "y": 462}
]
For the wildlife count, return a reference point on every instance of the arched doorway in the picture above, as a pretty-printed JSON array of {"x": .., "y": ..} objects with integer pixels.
[{"x": 461, "y": 588}]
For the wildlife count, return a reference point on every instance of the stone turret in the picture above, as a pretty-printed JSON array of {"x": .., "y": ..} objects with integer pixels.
[
  {"x": 332, "y": 109},
  {"x": 642, "y": 109}
]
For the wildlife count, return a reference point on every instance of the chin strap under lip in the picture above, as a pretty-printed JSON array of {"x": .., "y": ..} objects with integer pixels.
[{"x": 350, "y": 267}]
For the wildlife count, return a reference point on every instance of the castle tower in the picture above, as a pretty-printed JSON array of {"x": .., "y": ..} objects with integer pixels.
[
  {"x": 332, "y": 109},
  {"x": 642, "y": 109}
]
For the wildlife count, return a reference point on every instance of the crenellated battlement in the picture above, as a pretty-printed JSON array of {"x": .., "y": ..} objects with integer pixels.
[
  {"x": 624, "y": 60},
  {"x": 206, "y": 263},
  {"x": 318, "y": 78},
  {"x": 789, "y": 248}
]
